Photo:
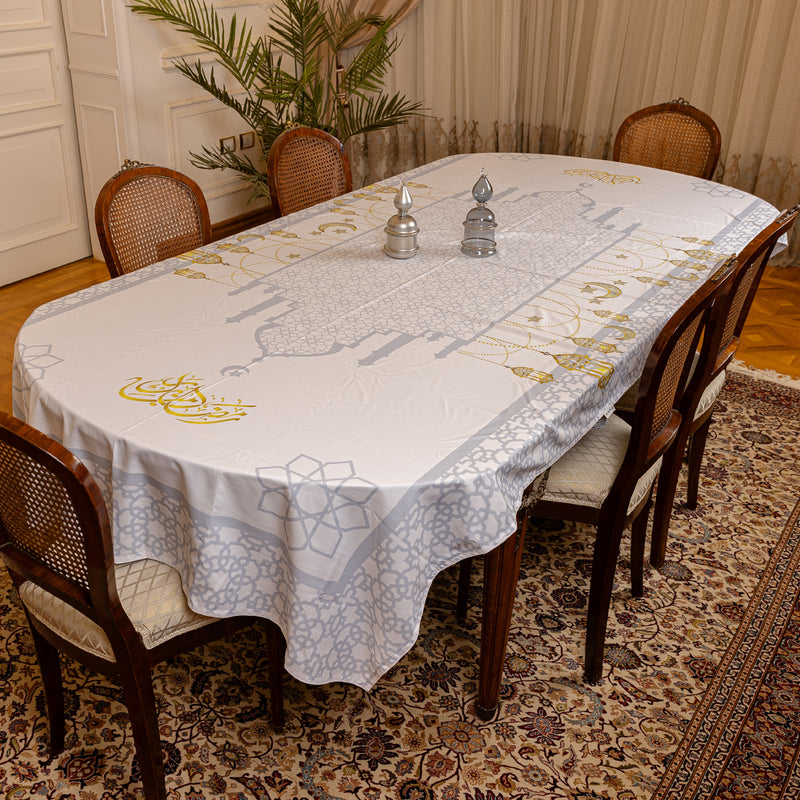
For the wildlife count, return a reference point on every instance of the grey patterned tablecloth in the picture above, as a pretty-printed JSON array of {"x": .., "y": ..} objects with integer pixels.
[{"x": 310, "y": 431}]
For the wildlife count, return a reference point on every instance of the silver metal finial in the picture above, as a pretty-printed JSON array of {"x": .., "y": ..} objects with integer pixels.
[
  {"x": 402, "y": 200},
  {"x": 401, "y": 229}
]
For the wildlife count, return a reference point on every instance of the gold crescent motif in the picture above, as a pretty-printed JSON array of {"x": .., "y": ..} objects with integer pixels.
[
  {"x": 611, "y": 315},
  {"x": 610, "y": 291},
  {"x": 627, "y": 333},
  {"x": 325, "y": 225}
]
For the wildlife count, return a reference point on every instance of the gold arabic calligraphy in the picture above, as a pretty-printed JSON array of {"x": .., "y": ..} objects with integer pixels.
[{"x": 183, "y": 397}]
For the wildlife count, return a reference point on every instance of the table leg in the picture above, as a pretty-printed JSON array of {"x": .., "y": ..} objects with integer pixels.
[{"x": 501, "y": 570}]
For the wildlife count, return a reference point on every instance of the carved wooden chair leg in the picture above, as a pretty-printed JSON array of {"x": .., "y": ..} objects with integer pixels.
[
  {"x": 606, "y": 553},
  {"x": 638, "y": 536},
  {"x": 137, "y": 689},
  {"x": 665, "y": 499},
  {"x": 50, "y": 667},
  {"x": 696, "y": 452}
]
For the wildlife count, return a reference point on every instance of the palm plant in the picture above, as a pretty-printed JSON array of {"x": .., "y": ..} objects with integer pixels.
[{"x": 315, "y": 88}]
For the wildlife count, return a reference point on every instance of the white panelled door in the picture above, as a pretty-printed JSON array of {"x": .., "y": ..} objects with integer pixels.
[{"x": 43, "y": 220}]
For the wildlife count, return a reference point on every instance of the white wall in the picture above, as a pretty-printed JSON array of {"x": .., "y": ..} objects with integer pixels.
[{"x": 130, "y": 102}]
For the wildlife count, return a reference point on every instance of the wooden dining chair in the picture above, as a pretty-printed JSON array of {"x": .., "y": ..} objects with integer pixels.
[
  {"x": 146, "y": 214},
  {"x": 118, "y": 619},
  {"x": 306, "y": 166},
  {"x": 721, "y": 340},
  {"x": 674, "y": 136},
  {"x": 607, "y": 478}
]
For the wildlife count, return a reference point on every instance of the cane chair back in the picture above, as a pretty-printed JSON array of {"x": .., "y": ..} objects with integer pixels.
[
  {"x": 674, "y": 136},
  {"x": 56, "y": 543},
  {"x": 306, "y": 166},
  {"x": 718, "y": 350},
  {"x": 752, "y": 260},
  {"x": 146, "y": 214},
  {"x": 607, "y": 478}
]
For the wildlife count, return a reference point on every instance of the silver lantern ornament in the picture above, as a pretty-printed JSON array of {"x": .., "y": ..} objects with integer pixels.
[
  {"x": 480, "y": 224},
  {"x": 401, "y": 230}
]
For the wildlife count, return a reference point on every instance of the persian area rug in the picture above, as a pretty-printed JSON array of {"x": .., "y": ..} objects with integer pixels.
[{"x": 699, "y": 698}]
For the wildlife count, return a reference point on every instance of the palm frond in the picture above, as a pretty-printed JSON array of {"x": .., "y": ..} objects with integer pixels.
[
  {"x": 251, "y": 108},
  {"x": 313, "y": 89},
  {"x": 365, "y": 114},
  {"x": 367, "y": 71},
  {"x": 298, "y": 28},
  {"x": 251, "y": 173},
  {"x": 342, "y": 25}
]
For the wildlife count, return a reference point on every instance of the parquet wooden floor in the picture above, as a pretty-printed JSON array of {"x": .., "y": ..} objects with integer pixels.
[
  {"x": 771, "y": 337},
  {"x": 18, "y": 300}
]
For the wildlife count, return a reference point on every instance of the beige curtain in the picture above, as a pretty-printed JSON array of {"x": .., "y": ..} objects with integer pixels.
[
  {"x": 399, "y": 9},
  {"x": 558, "y": 76}
]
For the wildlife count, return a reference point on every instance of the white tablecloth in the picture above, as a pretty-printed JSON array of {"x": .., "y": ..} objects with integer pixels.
[{"x": 310, "y": 431}]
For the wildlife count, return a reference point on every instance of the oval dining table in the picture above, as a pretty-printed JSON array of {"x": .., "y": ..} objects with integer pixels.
[{"x": 310, "y": 431}]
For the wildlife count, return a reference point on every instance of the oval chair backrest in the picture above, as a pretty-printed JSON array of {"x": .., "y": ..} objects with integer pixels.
[
  {"x": 306, "y": 166},
  {"x": 146, "y": 214},
  {"x": 674, "y": 136},
  {"x": 54, "y": 528},
  {"x": 752, "y": 260},
  {"x": 657, "y": 414}
]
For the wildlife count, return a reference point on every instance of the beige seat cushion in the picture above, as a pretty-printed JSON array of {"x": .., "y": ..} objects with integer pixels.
[
  {"x": 710, "y": 394},
  {"x": 151, "y": 594},
  {"x": 584, "y": 475}
]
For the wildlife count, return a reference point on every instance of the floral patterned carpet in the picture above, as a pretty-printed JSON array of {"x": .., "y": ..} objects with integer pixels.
[{"x": 699, "y": 696}]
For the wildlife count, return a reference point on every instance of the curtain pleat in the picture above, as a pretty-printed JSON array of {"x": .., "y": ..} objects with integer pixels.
[{"x": 559, "y": 76}]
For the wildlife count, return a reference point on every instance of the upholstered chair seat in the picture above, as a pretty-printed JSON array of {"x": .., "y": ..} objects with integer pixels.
[
  {"x": 584, "y": 475},
  {"x": 151, "y": 594},
  {"x": 710, "y": 395},
  {"x": 118, "y": 619}
]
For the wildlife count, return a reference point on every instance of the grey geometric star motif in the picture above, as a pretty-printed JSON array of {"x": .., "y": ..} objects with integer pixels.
[{"x": 317, "y": 502}]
